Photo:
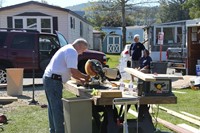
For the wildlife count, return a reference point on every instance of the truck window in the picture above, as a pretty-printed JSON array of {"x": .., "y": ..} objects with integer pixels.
[
  {"x": 48, "y": 45},
  {"x": 62, "y": 39},
  {"x": 2, "y": 38},
  {"x": 23, "y": 41}
]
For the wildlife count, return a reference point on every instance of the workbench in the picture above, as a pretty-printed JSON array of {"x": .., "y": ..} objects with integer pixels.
[
  {"x": 144, "y": 118},
  {"x": 82, "y": 91}
]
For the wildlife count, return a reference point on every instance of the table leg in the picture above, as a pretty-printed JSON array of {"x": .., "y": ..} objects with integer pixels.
[
  {"x": 109, "y": 124},
  {"x": 145, "y": 119},
  {"x": 96, "y": 115}
]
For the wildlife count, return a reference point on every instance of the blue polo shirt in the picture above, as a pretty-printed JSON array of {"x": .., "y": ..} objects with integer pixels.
[
  {"x": 136, "y": 50},
  {"x": 145, "y": 61}
]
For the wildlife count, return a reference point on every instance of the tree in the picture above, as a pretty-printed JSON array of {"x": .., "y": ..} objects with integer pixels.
[
  {"x": 1, "y": 3},
  {"x": 113, "y": 8},
  {"x": 44, "y": 1},
  {"x": 172, "y": 10},
  {"x": 194, "y": 8}
]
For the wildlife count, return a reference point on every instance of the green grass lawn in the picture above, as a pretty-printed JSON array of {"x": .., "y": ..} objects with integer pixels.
[
  {"x": 33, "y": 119},
  {"x": 113, "y": 60}
]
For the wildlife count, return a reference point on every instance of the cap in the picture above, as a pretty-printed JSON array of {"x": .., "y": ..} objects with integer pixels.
[{"x": 136, "y": 36}]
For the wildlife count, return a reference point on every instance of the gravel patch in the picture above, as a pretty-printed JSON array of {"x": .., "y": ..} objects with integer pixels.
[{"x": 26, "y": 97}]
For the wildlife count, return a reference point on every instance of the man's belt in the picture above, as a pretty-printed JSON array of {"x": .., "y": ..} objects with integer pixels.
[{"x": 56, "y": 77}]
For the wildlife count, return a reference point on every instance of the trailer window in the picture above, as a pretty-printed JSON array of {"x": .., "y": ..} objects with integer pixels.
[
  {"x": 169, "y": 35},
  {"x": 172, "y": 35},
  {"x": 157, "y": 32},
  {"x": 179, "y": 35}
]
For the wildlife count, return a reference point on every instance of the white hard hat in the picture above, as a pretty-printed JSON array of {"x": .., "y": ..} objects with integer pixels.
[{"x": 136, "y": 36}]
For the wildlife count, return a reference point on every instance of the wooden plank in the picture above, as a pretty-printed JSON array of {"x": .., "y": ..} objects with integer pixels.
[
  {"x": 7, "y": 99},
  {"x": 3, "y": 85},
  {"x": 102, "y": 101},
  {"x": 189, "y": 119},
  {"x": 110, "y": 93},
  {"x": 173, "y": 127},
  {"x": 180, "y": 92},
  {"x": 190, "y": 115},
  {"x": 72, "y": 87},
  {"x": 151, "y": 77},
  {"x": 158, "y": 100},
  {"x": 166, "y": 76},
  {"x": 167, "y": 124},
  {"x": 139, "y": 74},
  {"x": 190, "y": 128}
]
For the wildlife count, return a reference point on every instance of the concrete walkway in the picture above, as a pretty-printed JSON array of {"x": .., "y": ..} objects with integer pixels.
[{"x": 27, "y": 82}]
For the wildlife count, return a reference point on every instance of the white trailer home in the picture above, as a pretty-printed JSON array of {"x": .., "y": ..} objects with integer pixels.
[
  {"x": 46, "y": 18},
  {"x": 178, "y": 34}
]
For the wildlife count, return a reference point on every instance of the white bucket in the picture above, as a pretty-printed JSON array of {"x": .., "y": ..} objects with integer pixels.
[{"x": 198, "y": 70}]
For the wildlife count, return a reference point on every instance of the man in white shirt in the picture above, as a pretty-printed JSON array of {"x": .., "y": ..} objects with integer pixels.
[{"x": 62, "y": 66}]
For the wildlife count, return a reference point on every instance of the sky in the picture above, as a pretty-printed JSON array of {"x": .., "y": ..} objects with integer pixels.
[{"x": 61, "y": 3}]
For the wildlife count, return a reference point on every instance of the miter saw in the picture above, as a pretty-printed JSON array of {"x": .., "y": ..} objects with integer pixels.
[{"x": 98, "y": 73}]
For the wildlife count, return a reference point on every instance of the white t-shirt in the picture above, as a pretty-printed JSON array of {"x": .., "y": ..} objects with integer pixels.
[{"x": 65, "y": 58}]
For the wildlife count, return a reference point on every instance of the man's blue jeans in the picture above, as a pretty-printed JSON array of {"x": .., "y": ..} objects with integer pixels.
[{"x": 53, "y": 89}]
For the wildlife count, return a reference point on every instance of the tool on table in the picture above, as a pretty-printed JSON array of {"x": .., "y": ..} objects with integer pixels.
[{"x": 97, "y": 73}]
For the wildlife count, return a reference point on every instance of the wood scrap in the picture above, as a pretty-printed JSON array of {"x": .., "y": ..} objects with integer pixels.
[
  {"x": 189, "y": 119},
  {"x": 3, "y": 85},
  {"x": 190, "y": 115},
  {"x": 110, "y": 93},
  {"x": 169, "y": 125},
  {"x": 7, "y": 100},
  {"x": 180, "y": 92},
  {"x": 173, "y": 127},
  {"x": 190, "y": 128}
]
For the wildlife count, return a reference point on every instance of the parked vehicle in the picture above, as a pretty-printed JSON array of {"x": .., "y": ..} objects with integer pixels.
[
  {"x": 125, "y": 56},
  {"x": 29, "y": 49}
]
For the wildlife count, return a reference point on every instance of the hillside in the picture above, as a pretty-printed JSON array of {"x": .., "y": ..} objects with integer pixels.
[{"x": 79, "y": 7}]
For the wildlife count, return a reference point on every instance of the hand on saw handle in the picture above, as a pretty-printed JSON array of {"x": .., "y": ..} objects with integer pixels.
[
  {"x": 85, "y": 81},
  {"x": 87, "y": 78}
]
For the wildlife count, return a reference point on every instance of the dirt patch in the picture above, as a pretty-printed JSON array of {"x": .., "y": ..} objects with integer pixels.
[{"x": 26, "y": 98}]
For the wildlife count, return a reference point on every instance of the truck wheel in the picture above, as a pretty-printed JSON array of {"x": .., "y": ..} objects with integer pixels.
[{"x": 3, "y": 79}]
